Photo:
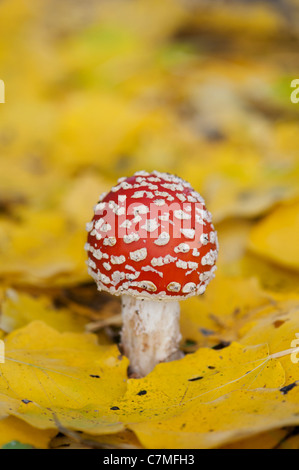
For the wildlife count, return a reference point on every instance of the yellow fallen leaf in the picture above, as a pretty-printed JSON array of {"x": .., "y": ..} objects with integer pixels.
[
  {"x": 123, "y": 440},
  {"x": 271, "y": 275},
  {"x": 207, "y": 399},
  {"x": 215, "y": 315},
  {"x": 49, "y": 377},
  {"x": 81, "y": 196},
  {"x": 233, "y": 236},
  {"x": 235, "y": 187},
  {"x": 240, "y": 414},
  {"x": 19, "y": 309},
  {"x": 278, "y": 326},
  {"x": 276, "y": 236},
  {"x": 14, "y": 429},
  {"x": 267, "y": 440},
  {"x": 43, "y": 248}
]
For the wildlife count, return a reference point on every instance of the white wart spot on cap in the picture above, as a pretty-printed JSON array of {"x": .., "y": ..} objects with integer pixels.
[
  {"x": 188, "y": 232},
  {"x": 101, "y": 196},
  {"x": 165, "y": 195},
  {"x": 182, "y": 248},
  {"x": 173, "y": 186},
  {"x": 207, "y": 275},
  {"x": 204, "y": 214},
  {"x": 96, "y": 252},
  {"x": 179, "y": 214},
  {"x": 132, "y": 237},
  {"x": 210, "y": 258},
  {"x": 174, "y": 287},
  {"x": 162, "y": 239},
  {"x": 105, "y": 227},
  {"x": 140, "y": 194},
  {"x": 147, "y": 285},
  {"x": 118, "y": 276},
  {"x": 138, "y": 255},
  {"x": 104, "y": 279},
  {"x": 199, "y": 219},
  {"x": 182, "y": 264},
  {"x": 89, "y": 226},
  {"x": 137, "y": 219},
  {"x": 100, "y": 206},
  {"x": 117, "y": 259},
  {"x": 118, "y": 210},
  {"x": 130, "y": 268},
  {"x": 192, "y": 265},
  {"x": 213, "y": 237},
  {"x": 142, "y": 209},
  {"x": 91, "y": 264},
  {"x": 204, "y": 238},
  {"x": 195, "y": 252},
  {"x": 132, "y": 276},
  {"x": 203, "y": 277},
  {"x": 98, "y": 224},
  {"x": 165, "y": 217},
  {"x": 181, "y": 197},
  {"x": 160, "y": 261},
  {"x": 109, "y": 241},
  {"x": 151, "y": 225},
  {"x": 126, "y": 224},
  {"x": 201, "y": 289},
  {"x": 154, "y": 179},
  {"x": 159, "y": 202},
  {"x": 123, "y": 185},
  {"x": 139, "y": 179},
  {"x": 189, "y": 287},
  {"x": 152, "y": 187},
  {"x": 150, "y": 268}
]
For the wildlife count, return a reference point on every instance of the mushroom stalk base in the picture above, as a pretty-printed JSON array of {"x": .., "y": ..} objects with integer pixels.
[{"x": 150, "y": 333}]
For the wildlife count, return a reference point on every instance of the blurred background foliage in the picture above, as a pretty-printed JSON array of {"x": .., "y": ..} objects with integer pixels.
[{"x": 97, "y": 90}]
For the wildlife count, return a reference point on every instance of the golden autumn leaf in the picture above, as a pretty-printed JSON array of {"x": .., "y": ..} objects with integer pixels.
[
  {"x": 123, "y": 440},
  {"x": 276, "y": 237},
  {"x": 206, "y": 399},
  {"x": 43, "y": 248},
  {"x": 267, "y": 440},
  {"x": 271, "y": 275},
  {"x": 19, "y": 309},
  {"x": 14, "y": 429},
  {"x": 278, "y": 327},
  {"x": 49, "y": 376},
  {"x": 216, "y": 315}
]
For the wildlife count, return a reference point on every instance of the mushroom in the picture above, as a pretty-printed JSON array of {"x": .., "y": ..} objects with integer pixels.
[{"x": 152, "y": 242}]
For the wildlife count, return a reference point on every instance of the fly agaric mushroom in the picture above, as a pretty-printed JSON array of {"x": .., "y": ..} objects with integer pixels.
[{"x": 152, "y": 241}]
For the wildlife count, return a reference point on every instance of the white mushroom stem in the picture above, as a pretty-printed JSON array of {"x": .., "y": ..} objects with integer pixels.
[{"x": 150, "y": 333}]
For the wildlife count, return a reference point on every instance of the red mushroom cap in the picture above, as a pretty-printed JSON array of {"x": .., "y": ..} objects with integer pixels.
[{"x": 152, "y": 237}]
